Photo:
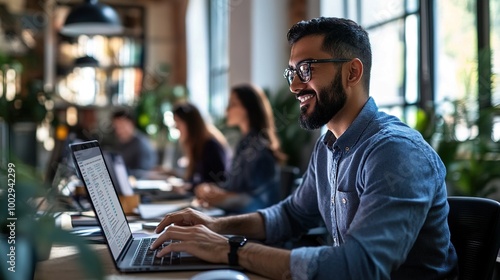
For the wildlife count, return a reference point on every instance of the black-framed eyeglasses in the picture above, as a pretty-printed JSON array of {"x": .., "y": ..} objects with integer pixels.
[{"x": 303, "y": 69}]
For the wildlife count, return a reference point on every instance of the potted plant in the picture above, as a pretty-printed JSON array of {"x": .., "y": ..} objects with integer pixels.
[
  {"x": 470, "y": 160},
  {"x": 22, "y": 109},
  {"x": 293, "y": 138},
  {"x": 28, "y": 225},
  {"x": 157, "y": 98}
]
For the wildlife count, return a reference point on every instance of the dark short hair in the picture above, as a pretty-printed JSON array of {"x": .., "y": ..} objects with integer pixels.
[
  {"x": 123, "y": 113},
  {"x": 343, "y": 38}
]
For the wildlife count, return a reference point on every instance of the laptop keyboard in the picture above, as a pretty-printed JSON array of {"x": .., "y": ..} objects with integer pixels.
[{"x": 146, "y": 256}]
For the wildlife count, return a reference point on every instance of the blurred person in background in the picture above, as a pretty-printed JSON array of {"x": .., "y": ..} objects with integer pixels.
[
  {"x": 253, "y": 180},
  {"x": 134, "y": 146},
  {"x": 205, "y": 147}
]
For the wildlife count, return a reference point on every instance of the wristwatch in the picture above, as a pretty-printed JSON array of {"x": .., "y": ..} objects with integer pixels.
[{"x": 235, "y": 242}]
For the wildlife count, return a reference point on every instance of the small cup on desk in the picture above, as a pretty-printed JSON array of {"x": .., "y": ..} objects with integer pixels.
[{"x": 129, "y": 203}]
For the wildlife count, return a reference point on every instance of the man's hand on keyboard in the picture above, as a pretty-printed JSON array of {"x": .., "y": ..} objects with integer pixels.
[
  {"x": 197, "y": 240},
  {"x": 187, "y": 217}
]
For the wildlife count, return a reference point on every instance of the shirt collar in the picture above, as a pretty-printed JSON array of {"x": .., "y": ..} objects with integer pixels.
[{"x": 351, "y": 136}]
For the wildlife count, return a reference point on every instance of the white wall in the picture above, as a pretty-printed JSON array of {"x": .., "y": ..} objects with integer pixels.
[
  {"x": 240, "y": 42},
  {"x": 258, "y": 47},
  {"x": 270, "y": 50},
  {"x": 332, "y": 8},
  {"x": 159, "y": 37},
  {"x": 197, "y": 58},
  {"x": 259, "y": 50}
]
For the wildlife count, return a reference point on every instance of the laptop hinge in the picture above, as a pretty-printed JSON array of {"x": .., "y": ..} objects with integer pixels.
[{"x": 123, "y": 253}]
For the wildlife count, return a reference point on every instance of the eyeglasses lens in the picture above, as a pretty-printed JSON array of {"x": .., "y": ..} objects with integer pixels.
[
  {"x": 303, "y": 72},
  {"x": 289, "y": 75}
]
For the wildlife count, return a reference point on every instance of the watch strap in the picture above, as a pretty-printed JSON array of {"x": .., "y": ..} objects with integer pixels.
[
  {"x": 235, "y": 243},
  {"x": 233, "y": 256}
]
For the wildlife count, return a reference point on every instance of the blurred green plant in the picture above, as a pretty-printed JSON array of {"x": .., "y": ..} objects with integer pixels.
[
  {"x": 22, "y": 194},
  {"x": 27, "y": 106},
  {"x": 157, "y": 98},
  {"x": 471, "y": 158},
  {"x": 293, "y": 138}
]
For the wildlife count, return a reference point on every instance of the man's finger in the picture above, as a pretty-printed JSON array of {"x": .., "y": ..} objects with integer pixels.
[
  {"x": 166, "y": 221},
  {"x": 180, "y": 217},
  {"x": 172, "y": 247},
  {"x": 173, "y": 233}
]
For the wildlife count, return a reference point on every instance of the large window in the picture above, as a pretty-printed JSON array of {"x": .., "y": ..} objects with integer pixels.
[
  {"x": 393, "y": 27},
  {"x": 219, "y": 58},
  {"x": 457, "y": 64},
  {"x": 495, "y": 44},
  {"x": 467, "y": 66},
  {"x": 208, "y": 55},
  {"x": 428, "y": 54},
  {"x": 456, "y": 49}
]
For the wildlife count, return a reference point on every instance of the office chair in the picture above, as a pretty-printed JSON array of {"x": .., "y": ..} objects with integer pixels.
[
  {"x": 475, "y": 232},
  {"x": 288, "y": 180}
]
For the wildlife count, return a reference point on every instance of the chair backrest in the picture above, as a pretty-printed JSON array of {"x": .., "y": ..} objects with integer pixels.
[{"x": 475, "y": 233}]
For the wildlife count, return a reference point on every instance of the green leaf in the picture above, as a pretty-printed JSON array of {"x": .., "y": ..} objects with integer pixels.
[{"x": 89, "y": 260}]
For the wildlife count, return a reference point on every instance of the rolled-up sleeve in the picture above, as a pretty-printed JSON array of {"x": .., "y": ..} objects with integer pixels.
[{"x": 277, "y": 226}]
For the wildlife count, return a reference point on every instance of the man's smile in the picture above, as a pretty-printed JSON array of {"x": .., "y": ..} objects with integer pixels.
[{"x": 305, "y": 98}]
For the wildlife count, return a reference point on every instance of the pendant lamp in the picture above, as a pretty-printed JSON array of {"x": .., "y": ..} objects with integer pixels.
[
  {"x": 86, "y": 61},
  {"x": 92, "y": 18}
]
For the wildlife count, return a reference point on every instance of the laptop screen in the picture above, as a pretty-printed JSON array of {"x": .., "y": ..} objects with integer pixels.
[
  {"x": 95, "y": 175},
  {"x": 118, "y": 172}
]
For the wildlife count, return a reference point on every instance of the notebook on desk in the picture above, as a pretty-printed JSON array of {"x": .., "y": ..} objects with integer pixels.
[{"x": 128, "y": 252}]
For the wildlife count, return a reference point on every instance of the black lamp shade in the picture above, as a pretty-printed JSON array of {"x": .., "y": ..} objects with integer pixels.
[
  {"x": 92, "y": 18},
  {"x": 86, "y": 61}
]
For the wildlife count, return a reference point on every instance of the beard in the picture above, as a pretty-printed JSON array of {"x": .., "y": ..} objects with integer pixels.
[{"x": 333, "y": 99}]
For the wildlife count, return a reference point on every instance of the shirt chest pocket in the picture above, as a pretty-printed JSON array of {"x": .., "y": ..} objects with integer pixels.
[{"x": 346, "y": 204}]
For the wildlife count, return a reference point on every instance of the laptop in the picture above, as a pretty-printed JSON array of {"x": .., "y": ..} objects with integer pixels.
[
  {"x": 150, "y": 190},
  {"x": 129, "y": 253},
  {"x": 118, "y": 173}
]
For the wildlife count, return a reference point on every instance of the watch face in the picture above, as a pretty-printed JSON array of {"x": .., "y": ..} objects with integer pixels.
[{"x": 238, "y": 239}]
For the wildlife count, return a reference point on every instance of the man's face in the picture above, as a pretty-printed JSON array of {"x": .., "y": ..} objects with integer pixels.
[
  {"x": 324, "y": 95},
  {"x": 124, "y": 129}
]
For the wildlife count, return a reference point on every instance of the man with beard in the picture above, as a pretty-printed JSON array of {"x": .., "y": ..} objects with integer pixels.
[{"x": 375, "y": 183}]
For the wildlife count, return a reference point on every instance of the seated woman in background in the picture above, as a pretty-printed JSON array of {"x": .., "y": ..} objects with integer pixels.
[
  {"x": 253, "y": 181},
  {"x": 204, "y": 146}
]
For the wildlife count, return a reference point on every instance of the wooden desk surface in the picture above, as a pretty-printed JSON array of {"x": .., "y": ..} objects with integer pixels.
[{"x": 64, "y": 264}]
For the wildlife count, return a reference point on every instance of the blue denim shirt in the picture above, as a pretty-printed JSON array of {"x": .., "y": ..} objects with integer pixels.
[{"x": 380, "y": 190}]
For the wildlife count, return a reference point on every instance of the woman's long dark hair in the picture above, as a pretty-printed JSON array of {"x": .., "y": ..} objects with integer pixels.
[
  {"x": 198, "y": 131},
  {"x": 260, "y": 116}
]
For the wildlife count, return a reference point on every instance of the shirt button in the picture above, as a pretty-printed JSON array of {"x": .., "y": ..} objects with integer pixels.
[
  {"x": 344, "y": 201},
  {"x": 335, "y": 240},
  {"x": 347, "y": 149},
  {"x": 333, "y": 200}
]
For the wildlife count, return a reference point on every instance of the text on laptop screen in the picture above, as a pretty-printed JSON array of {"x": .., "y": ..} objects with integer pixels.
[{"x": 105, "y": 201}]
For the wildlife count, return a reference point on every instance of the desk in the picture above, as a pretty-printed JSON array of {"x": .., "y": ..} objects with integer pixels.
[{"x": 64, "y": 264}]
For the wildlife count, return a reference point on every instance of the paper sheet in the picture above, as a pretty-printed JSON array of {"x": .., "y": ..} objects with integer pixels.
[{"x": 151, "y": 211}]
